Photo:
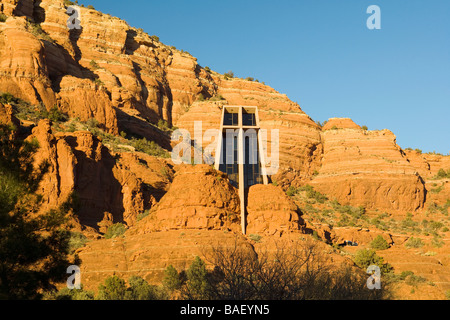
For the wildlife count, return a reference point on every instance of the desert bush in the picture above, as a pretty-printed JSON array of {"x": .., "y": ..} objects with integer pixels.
[
  {"x": 3, "y": 17},
  {"x": 92, "y": 123},
  {"x": 163, "y": 125},
  {"x": 414, "y": 280},
  {"x": 149, "y": 147},
  {"x": 379, "y": 243},
  {"x": 291, "y": 191},
  {"x": 139, "y": 289},
  {"x": 255, "y": 237},
  {"x": 38, "y": 32},
  {"x": 77, "y": 240},
  {"x": 116, "y": 230},
  {"x": 437, "y": 190},
  {"x": 94, "y": 64},
  {"x": 201, "y": 97},
  {"x": 312, "y": 194},
  {"x": 142, "y": 215},
  {"x": 296, "y": 271},
  {"x": 414, "y": 243},
  {"x": 113, "y": 288},
  {"x": 70, "y": 294},
  {"x": 367, "y": 257},
  {"x": 172, "y": 279},
  {"x": 34, "y": 247},
  {"x": 442, "y": 174},
  {"x": 435, "y": 242},
  {"x": 217, "y": 97},
  {"x": 229, "y": 75}
]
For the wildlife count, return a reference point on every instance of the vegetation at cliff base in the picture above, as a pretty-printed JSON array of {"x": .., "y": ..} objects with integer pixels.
[{"x": 33, "y": 248}]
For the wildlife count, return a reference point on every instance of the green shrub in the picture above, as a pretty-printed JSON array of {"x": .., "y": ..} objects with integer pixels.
[
  {"x": 114, "y": 288},
  {"x": 142, "y": 215},
  {"x": 291, "y": 191},
  {"x": 442, "y": 174},
  {"x": 36, "y": 30},
  {"x": 406, "y": 274},
  {"x": 379, "y": 243},
  {"x": 414, "y": 243},
  {"x": 437, "y": 190},
  {"x": 437, "y": 243},
  {"x": 94, "y": 64},
  {"x": 7, "y": 98},
  {"x": 312, "y": 194},
  {"x": 414, "y": 280},
  {"x": 70, "y": 294},
  {"x": 92, "y": 123},
  {"x": 217, "y": 97},
  {"x": 201, "y": 97},
  {"x": 55, "y": 115},
  {"x": 229, "y": 75},
  {"x": 255, "y": 237},
  {"x": 77, "y": 240},
  {"x": 163, "y": 125},
  {"x": 149, "y": 147},
  {"x": 3, "y": 17},
  {"x": 139, "y": 289},
  {"x": 365, "y": 128},
  {"x": 197, "y": 285},
  {"x": 367, "y": 257},
  {"x": 116, "y": 230},
  {"x": 172, "y": 279}
]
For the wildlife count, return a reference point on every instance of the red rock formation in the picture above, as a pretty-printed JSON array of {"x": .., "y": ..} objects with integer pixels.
[
  {"x": 367, "y": 168},
  {"x": 199, "y": 198},
  {"x": 270, "y": 211},
  {"x": 80, "y": 163}
]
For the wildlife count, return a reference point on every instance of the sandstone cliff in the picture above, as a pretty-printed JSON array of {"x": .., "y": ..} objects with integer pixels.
[{"x": 127, "y": 80}]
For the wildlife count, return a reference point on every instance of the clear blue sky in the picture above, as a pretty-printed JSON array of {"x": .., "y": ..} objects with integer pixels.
[{"x": 321, "y": 54}]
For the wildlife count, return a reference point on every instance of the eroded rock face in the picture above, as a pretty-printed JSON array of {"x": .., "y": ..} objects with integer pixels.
[
  {"x": 367, "y": 168},
  {"x": 7, "y": 116},
  {"x": 80, "y": 164},
  {"x": 199, "y": 198},
  {"x": 270, "y": 211}
]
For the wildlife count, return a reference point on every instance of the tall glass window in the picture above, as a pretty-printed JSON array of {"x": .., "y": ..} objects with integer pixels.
[
  {"x": 248, "y": 119},
  {"x": 231, "y": 119}
]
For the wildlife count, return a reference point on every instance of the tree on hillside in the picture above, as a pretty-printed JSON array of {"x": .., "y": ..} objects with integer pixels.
[{"x": 33, "y": 248}]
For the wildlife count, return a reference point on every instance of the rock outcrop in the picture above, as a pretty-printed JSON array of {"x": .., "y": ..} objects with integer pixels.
[
  {"x": 199, "y": 198},
  {"x": 270, "y": 212},
  {"x": 368, "y": 168},
  {"x": 81, "y": 166}
]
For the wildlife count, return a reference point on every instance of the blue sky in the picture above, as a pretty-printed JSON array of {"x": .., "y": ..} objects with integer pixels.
[{"x": 321, "y": 54}]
